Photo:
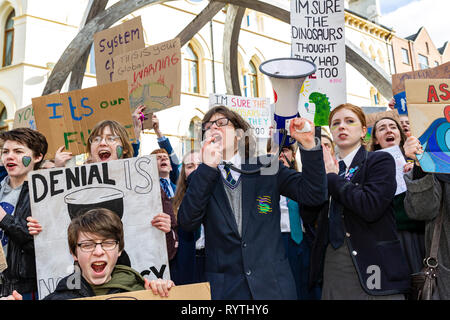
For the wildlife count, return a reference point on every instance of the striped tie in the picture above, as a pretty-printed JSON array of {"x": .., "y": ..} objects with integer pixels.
[
  {"x": 229, "y": 177},
  {"x": 165, "y": 185}
]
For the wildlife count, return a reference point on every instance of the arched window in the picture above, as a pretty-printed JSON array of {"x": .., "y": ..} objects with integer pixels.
[
  {"x": 8, "y": 40},
  {"x": 253, "y": 79},
  {"x": 3, "y": 117},
  {"x": 192, "y": 141},
  {"x": 191, "y": 71}
]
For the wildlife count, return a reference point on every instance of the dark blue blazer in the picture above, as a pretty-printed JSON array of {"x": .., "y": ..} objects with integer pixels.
[
  {"x": 254, "y": 265},
  {"x": 371, "y": 232}
]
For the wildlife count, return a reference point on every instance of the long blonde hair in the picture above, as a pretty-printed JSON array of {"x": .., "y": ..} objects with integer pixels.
[{"x": 181, "y": 185}]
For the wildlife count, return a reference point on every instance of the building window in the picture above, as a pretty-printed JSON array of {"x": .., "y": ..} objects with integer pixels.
[
  {"x": 191, "y": 70},
  {"x": 3, "y": 117},
  {"x": 375, "y": 96},
  {"x": 253, "y": 77},
  {"x": 436, "y": 64},
  {"x": 192, "y": 142},
  {"x": 9, "y": 40},
  {"x": 405, "y": 56},
  {"x": 423, "y": 62},
  {"x": 428, "y": 48}
]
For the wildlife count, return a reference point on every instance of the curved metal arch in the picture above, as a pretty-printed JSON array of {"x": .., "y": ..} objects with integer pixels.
[
  {"x": 103, "y": 20},
  {"x": 108, "y": 17}
]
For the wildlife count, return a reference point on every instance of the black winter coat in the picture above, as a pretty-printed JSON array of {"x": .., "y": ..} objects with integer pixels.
[{"x": 21, "y": 272}]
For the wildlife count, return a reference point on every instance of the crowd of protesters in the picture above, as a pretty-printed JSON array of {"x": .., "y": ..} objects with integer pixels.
[{"x": 253, "y": 226}]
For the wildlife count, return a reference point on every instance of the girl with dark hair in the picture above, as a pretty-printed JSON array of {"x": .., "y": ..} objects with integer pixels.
[
  {"x": 387, "y": 133},
  {"x": 23, "y": 151}
]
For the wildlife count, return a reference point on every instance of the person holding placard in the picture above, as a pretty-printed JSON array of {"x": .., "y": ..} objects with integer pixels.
[
  {"x": 96, "y": 241},
  {"x": 245, "y": 257},
  {"x": 387, "y": 134},
  {"x": 357, "y": 250},
  {"x": 23, "y": 151},
  {"x": 109, "y": 141},
  {"x": 425, "y": 195}
]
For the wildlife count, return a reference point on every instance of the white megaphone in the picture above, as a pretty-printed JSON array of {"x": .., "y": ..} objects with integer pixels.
[{"x": 287, "y": 76}]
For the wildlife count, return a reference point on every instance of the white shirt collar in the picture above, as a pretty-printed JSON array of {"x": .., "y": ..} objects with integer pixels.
[
  {"x": 235, "y": 161},
  {"x": 349, "y": 158}
]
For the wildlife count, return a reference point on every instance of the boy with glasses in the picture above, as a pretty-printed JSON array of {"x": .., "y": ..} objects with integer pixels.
[{"x": 96, "y": 241}]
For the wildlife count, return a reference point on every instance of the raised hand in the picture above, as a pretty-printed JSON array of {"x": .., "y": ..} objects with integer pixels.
[
  {"x": 306, "y": 139},
  {"x": 61, "y": 157},
  {"x": 212, "y": 152},
  {"x": 412, "y": 147}
]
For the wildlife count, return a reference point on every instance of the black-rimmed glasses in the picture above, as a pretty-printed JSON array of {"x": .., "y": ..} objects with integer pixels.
[
  {"x": 90, "y": 246},
  {"x": 219, "y": 122}
]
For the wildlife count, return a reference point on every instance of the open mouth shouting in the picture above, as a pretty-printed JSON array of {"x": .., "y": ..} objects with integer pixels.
[
  {"x": 390, "y": 138},
  {"x": 98, "y": 267},
  {"x": 11, "y": 166},
  {"x": 104, "y": 155}
]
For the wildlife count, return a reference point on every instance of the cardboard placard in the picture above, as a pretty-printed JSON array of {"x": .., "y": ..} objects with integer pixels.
[
  {"x": 371, "y": 118},
  {"x": 24, "y": 118},
  {"x": 318, "y": 36},
  {"x": 256, "y": 111},
  {"x": 429, "y": 118},
  {"x": 398, "y": 83},
  {"x": 153, "y": 75},
  {"x": 67, "y": 118},
  {"x": 129, "y": 187},
  {"x": 197, "y": 291},
  {"x": 115, "y": 41}
]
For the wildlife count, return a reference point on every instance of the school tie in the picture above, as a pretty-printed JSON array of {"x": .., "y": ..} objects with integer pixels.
[
  {"x": 165, "y": 186},
  {"x": 295, "y": 221},
  {"x": 336, "y": 231},
  {"x": 229, "y": 177}
]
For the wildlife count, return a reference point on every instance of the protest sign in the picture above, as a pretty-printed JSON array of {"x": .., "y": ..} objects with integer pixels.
[
  {"x": 68, "y": 118},
  {"x": 400, "y": 162},
  {"x": 24, "y": 118},
  {"x": 317, "y": 33},
  {"x": 129, "y": 187},
  {"x": 153, "y": 74},
  {"x": 196, "y": 291},
  {"x": 371, "y": 118},
  {"x": 398, "y": 82},
  {"x": 115, "y": 41},
  {"x": 256, "y": 111},
  {"x": 429, "y": 117}
]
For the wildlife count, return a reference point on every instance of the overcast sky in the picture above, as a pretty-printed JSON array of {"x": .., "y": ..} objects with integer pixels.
[{"x": 407, "y": 16}]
